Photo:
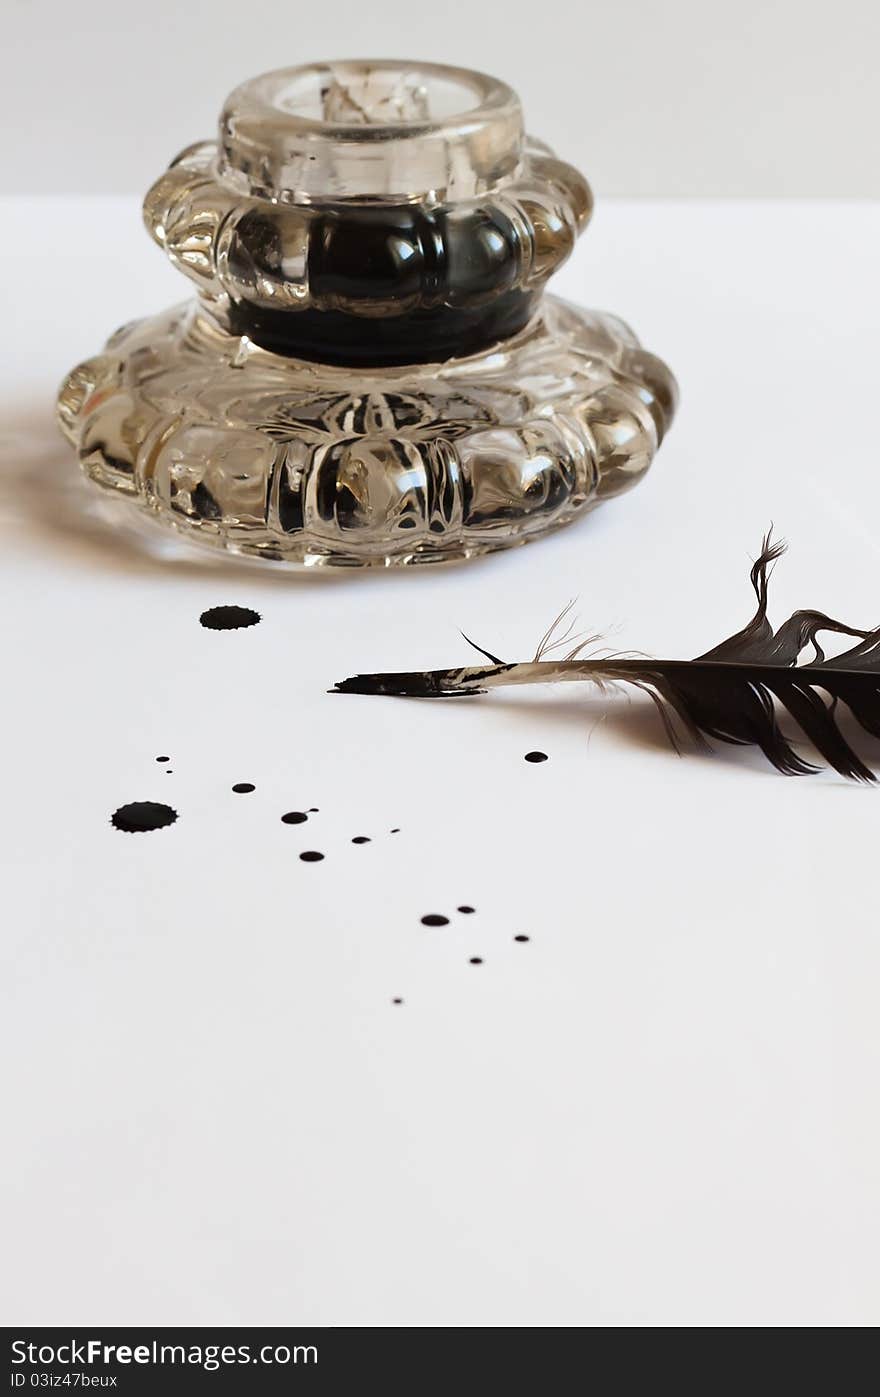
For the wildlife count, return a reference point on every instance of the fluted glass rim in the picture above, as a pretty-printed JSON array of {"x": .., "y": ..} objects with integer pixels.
[{"x": 270, "y": 150}]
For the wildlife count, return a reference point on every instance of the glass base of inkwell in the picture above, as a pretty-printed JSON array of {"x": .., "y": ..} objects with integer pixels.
[{"x": 370, "y": 373}]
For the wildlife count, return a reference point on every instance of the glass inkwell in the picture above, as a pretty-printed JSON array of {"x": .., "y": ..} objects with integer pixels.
[{"x": 370, "y": 373}]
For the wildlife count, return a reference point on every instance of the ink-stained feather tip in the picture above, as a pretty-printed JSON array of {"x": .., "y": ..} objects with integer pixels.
[{"x": 428, "y": 684}]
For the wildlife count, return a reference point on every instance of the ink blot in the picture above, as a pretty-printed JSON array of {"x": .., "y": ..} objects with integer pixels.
[
  {"x": 361, "y": 839},
  {"x": 228, "y": 618},
  {"x": 434, "y": 919},
  {"x": 395, "y": 831},
  {"x": 536, "y": 757},
  {"x": 311, "y": 856},
  {"x": 163, "y": 759},
  {"x": 313, "y": 810},
  {"x": 243, "y": 788},
  {"x": 397, "y": 1001},
  {"x": 142, "y": 815},
  {"x": 294, "y": 817},
  {"x": 467, "y": 909},
  {"x": 522, "y": 938},
  {"x": 476, "y": 960}
]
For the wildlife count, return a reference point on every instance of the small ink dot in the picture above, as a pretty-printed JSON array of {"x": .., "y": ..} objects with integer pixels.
[
  {"x": 476, "y": 960},
  {"x": 397, "y": 1001},
  {"x": 169, "y": 771},
  {"x": 434, "y": 919},
  {"x": 313, "y": 810},
  {"x": 467, "y": 909},
  {"x": 142, "y": 815},
  {"x": 311, "y": 856},
  {"x": 294, "y": 817},
  {"x": 395, "y": 831},
  {"x": 228, "y": 618},
  {"x": 536, "y": 757},
  {"x": 361, "y": 839},
  {"x": 163, "y": 759},
  {"x": 522, "y": 938},
  {"x": 243, "y": 788}
]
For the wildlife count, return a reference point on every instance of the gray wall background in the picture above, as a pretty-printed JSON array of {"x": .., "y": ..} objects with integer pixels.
[{"x": 766, "y": 98}]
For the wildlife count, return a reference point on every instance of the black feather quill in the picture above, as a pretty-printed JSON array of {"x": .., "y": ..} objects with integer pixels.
[{"x": 732, "y": 693}]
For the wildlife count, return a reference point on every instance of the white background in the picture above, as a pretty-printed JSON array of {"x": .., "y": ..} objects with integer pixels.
[
  {"x": 686, "y": 97},
  {"x": 663, "y": 1109}
]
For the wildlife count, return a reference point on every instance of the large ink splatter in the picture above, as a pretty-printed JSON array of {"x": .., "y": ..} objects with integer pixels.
[
  {"x": 228, "y": 618},
  {"x": 141, "y": 815}
]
